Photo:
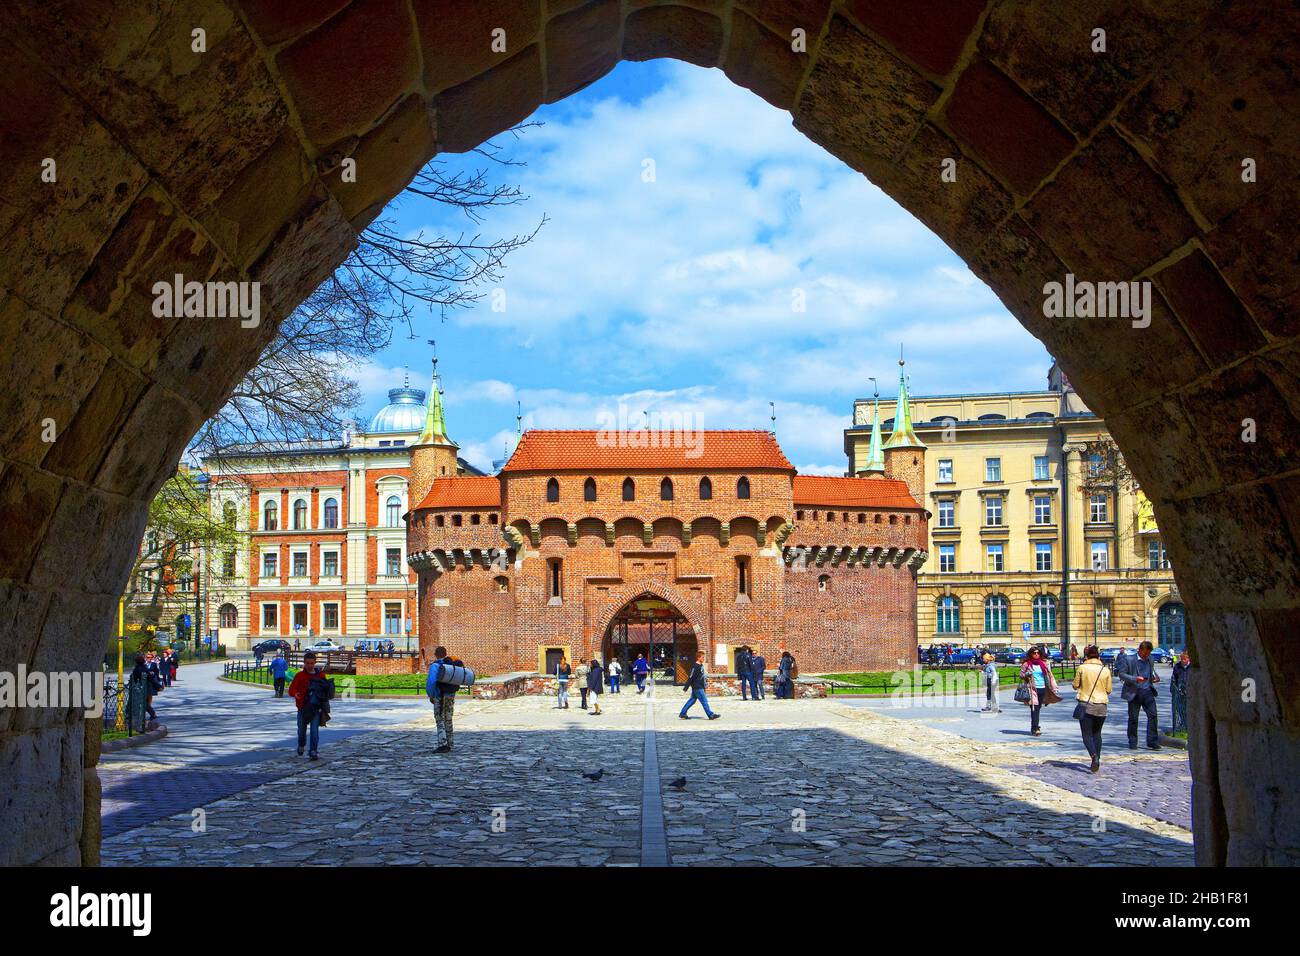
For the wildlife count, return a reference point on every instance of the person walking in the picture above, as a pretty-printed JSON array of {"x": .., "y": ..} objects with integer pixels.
[
  {"x": 991, "y": 681},
  {"x": 310, "y": 705},
  {"x": 595, "y": 684},
  {"x": 640, "y": 668},
  {"x": 695, "y": 686},
  {"x": 279, "y": 667},
  {"x": 615, "y": 676},
  {"x": 176, "y": 664},
  {"x": 757, "y": 667},
  {"x": 581, "y": 673},
  {"x": 442, "y": 694},
  {"x": 1137, "y": 672},
  {"x": 1092, "y": 681},
  {"x": 1036, "y": 675},
  {"x": 142, "y": 679},
  {"x": 563, "y": 671},
  {"x": 745, "y": 671}
]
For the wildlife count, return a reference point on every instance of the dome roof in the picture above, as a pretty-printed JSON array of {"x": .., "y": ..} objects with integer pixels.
[{"x": 403, "y": 413}]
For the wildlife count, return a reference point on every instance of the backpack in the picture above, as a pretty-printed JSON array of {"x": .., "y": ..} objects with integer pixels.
[{"x": 320, "y": 690}]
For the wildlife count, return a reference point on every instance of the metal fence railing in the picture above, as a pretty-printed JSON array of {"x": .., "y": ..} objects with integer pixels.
[
  {"x": 254, "y": 673},
  {"x": 1178, "y": 706}
]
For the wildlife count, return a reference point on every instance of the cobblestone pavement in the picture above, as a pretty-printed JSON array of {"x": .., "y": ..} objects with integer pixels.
[
  {"x": 1159, "y": 788},
  {"x": 136, "y": 793},
  {"x": 786, "y": 783}
]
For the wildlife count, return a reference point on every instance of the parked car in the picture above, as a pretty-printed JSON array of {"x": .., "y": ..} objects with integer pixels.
[
  {"x": 324, "y": 645},
  {"x": 268, "y": 648},
  {"x": 1162, "y": 655},
  {"x": 1108, "y": 655},
  {"x": 1010, "y": 655},
  {"x": 964, "y": 655}
]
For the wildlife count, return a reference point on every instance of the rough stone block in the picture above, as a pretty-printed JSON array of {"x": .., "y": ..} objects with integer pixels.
[
  {"x": 581, "y": 47},
  {"x": 28, "y": 499},
  {"x": 92, "y": 742},
  {"x": 387, "y": 159},
  {"x": 490, "y": 103},
  {"x": 81, "y": 447},
  {"x": 57, "y": 365},
  {"x": 861, "y": 102},
  {"x": 1277, "y": 629},
  {"x": 1133, "y": 217},
  {"x": 347, "y": 72},
  {"x": 763, "y": 62},
  {"x": 930, "y": 33},
  {"x": 41, "y": 794},
  {"x": 1016, "y": 263},
  {"x": 71, "y": 642},
  {"x": 92, "y": 798},
  {"x": 1162, "y": 448},
  {"x": 673, "y": 31},
  {"x": 1048, "y": 50},
  {"x": 1257, "y": 250},
  {"x": 1209, "y": 310},
  {"x": 457, "y": 36},
  {"x": 1018, "y": 140},
  {"x": 302, "y": 256},
  {"x": 87, "y": 532},
  {"x": 278, "y": 21},
  {"x": 1229, "y": 643},
  {"x": 145, "y": 452},
  {"x": 786, "y": 16}
]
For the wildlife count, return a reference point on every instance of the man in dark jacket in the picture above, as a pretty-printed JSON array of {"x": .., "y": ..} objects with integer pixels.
[
  {"x": 758, "y": 665},
  {"x": 695, "y": 685},
  {"x": 744, "y": 669},
  {"x": 309, "y": 714}
]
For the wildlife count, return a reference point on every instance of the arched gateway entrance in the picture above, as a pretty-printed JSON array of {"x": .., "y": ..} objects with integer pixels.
[
  {"x": 1165, "y": 160},
  {"x": 651, "y": 626}
]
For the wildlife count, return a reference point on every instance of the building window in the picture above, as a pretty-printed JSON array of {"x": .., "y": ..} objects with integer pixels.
[
  {"x": 1100, "y": 556},
  {"x": 329, "y": 564},
  {"x": 228, "y": 616},
  {"x": 995, "y": 614},
  {"x": 503, "y": 584},
  {"x": 440, "y": 520},
  {"x": 330, "y": 616},
  {"x": 183, "y": 584},
  {"x": 945, "y": 470},
  {"x": 993, "y": 555},
  {"x": 1043, "y": 556},
  {"x": 947, "y": 557},
  {"x": 457, "y": 521},
  {"x": 1041, "y": 472},
  {"x": 392, "y": 617},
  {"x": 706, "y": 490},
  {"x": 475, "y": 519},
  {"x": 1095, "y": 465},
  {"x": 393, "y": 511},
  {"x": 228, "y": 513},
  {"x": 742, "y": 488},
  {"x": 589, "y": 490},
  {"x": 270, "y": 565},
  {"x": 629, "y": 489},
  {"x": 1042, "y": 509},
  {"x": 393, "y": 561},
  {"x": 228, "y": 564},
  {"x": 798, "y": 516},
  {"x": 1044, "y": 614},
  {"x": 1156, "y": 558},
  {"x": 830, "y": 516},
  {"x": 331, "y": 513},
  {"x": 992, "y": 469},
  {"x": 742, "y": 577},
  {"x": 947, "y": 513},
  {"x": 270, "y": 617},
  {"x": 300, "y": 564},
  {"x": 948, "y": 615},
  {"x": 1101, "y": 613},
  {"x": 666, "y": 490},
  {"x": 300, "y": 515},
  {"x": 557, "y": 579},
  {"x": 552, "y": 490},
  {"x": 1097, "y": 510},
  {"x": 993, "y": 510},
  {"x": 269, "y": 516}
]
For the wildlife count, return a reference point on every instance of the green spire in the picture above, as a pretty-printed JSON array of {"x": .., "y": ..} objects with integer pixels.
[
  {"x": 435, "y": 424},
  {"x": 902, "y": 436},
  {"x": 875, "y": 454}
]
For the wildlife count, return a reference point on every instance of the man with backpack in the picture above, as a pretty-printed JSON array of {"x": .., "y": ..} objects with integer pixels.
[
  {"x": 312, "y": 692},
  {"x": 442, "y": 694}
]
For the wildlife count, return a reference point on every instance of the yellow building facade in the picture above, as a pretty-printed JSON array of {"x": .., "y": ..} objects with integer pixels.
[{"x": 1037, "y": 534}]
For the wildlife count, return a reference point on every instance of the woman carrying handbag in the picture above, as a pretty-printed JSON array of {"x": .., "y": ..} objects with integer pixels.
[
  {"x": 1037, "y": 688},
  {"x": 1090, "y": 711}
]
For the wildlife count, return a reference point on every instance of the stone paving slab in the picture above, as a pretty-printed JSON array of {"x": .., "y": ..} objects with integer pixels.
[
  {"x": 867, "y": 789},
  {"x": 1158, "y": 788}
]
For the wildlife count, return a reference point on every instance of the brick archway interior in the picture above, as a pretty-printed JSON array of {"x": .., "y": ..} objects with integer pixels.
[
  {"x": 625, "y": 595},
  {"x": 226, "y": 164}
]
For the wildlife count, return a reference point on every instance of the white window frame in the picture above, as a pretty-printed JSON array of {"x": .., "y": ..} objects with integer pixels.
[
  {"x": 988, "y": 511},
  {"x": 942, "y": 463},
  {"x": 995, "y": 558},
  {"x": 1045, "y": 472},
  {"x": 950, "y": 552},
  {"x": 1042, "y": 509},
  {"x": 338, "y": 618},
  {"x": 338, "y": 563},
  {"x": 261, "y": 566},
  {"x": 1041, "y": 549},
  {"x": 261, "y": 617},
  {"x": 947, "y": 509},
  {"x": 401, "y": 618},
  {"x": 306, "y": 627},
  {"x": 305, "y": 553},
  {"x": 1099, "y": 508},
  {"x": 294, "y": 501},
  {"x": 1101, "y": 548},
  {"x": 993, "y": 469}
]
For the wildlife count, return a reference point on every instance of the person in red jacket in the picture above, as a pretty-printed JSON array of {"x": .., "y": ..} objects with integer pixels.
[{"x": 308, "y": 716}]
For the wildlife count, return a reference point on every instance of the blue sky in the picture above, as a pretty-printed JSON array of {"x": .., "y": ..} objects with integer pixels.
[{"x": 679, "y": 295}]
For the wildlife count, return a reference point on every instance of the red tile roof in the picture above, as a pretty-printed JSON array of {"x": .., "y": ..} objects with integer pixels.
[
  {"x": 852, "y": 492},
  {"x": 634, "y": 451},
  {"x": 463, "y": 492}
]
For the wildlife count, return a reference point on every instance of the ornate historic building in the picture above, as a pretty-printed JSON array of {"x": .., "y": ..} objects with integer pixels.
[
  {"x": 327, "y": 541},
  {"x": 1034, "y": 524},
  {"x": 618, "y": 543}
]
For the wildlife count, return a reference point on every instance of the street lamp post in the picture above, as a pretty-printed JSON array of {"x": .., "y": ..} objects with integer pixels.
[{"x": 120, "y": 722}]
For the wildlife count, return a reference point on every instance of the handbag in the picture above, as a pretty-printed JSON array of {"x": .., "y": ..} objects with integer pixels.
[
  {"x": 1090, "y": 709},
  {"x": 1022, "y": 694}
]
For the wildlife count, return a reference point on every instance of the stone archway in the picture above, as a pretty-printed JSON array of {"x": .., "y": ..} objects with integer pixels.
[
  {"x": 620, "y": 597},
  {"x": 225, "y": 165}
]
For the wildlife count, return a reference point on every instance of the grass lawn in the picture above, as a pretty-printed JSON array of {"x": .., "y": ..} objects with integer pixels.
[
  {"x": 364, "y": 686},
  {"x": 884, "y": 683},
  {"x": 113, "y": 735}
]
